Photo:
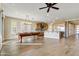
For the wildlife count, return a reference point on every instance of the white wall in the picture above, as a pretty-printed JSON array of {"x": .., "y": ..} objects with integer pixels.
[{"x": 0, "y": 31}]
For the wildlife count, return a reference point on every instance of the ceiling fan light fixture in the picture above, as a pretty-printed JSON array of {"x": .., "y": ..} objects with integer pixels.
[{"x": 50, "y": 5}]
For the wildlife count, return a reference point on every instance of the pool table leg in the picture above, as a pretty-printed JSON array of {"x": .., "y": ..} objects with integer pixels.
[{"x": 21, "y": 39}]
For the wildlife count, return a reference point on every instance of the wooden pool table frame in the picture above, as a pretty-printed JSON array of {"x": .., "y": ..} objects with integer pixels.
[{"x": 21, "y": 35}]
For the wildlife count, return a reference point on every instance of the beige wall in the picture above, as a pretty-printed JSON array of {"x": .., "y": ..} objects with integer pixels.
[{"x": 6, "y": 27}]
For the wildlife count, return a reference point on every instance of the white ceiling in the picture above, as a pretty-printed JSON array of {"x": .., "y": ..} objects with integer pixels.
[{"x": 31, "y": 11}]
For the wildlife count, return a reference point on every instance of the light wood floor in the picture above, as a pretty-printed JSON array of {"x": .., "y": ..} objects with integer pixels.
[{"x": 42, "y": 47}]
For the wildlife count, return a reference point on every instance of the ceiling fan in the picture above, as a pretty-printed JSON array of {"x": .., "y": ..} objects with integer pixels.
[{"x": 50, "y": 5}]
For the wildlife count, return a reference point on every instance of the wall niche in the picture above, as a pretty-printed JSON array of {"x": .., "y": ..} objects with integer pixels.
[{"x": 41, "y": 26}]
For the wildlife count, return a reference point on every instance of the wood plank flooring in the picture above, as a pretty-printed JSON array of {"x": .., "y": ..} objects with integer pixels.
[{"x": 47, "y": 47}]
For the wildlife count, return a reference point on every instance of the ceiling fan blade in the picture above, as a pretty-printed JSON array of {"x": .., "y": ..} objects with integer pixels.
[
  {"x": 46, "y": 3},
  {"x": 55, "y": 8},
  {"x": 48, "y": 9},
  {"x": 54, "y": 3},
  {"x": 42, "y": 7}
]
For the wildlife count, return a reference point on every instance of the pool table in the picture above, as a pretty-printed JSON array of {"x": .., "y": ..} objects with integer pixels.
[{"x": 24, "y": 34}]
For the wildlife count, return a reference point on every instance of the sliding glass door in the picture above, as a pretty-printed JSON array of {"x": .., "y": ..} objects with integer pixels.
[
  {"x": 77, "y": 32},
  {"x": 19, "y": 27},
  {"x": 77, "y": 29}
]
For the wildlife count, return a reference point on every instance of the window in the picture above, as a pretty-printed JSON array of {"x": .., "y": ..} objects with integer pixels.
[
  {"x": 77, "y": 29},
  {"x": 61, "y": 28},
  {"x": 20, "y": 26}
]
